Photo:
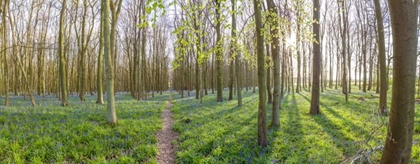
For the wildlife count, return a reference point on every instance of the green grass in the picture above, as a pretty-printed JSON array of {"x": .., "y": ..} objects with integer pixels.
[
  {"x": 79, "y": 133},
  {"x": 217, "y": 133},
  {"x": 224, "y": 133}
]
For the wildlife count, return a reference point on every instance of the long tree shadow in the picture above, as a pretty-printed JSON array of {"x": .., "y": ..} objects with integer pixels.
[
  {"x": 347, "y": 144},
  {"x": 221, "y": 131},
  {"x": 291, "y": 131},
  {"x": 337, "y": 115}
]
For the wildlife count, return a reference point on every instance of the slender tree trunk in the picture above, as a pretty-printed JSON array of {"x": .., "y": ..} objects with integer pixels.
[
  {"x": 63, "y": 77},
  {"x": 382, "y": 61},
  {"x": 316, "y": 61},
  {"x": 5, "y": 54},
  {"x": 82, "y": 53},
  {"x": 219, "y": 54},
  {"x": 231, "y": 74},
  {"x": 343, "y": 30},
  {"x": 262, "y": 113},
  {"x": 283, "y": 68},
  {"x": 112, "y": 116},
  {"x": 234, "y": 50},
  {"x": 275, "y": 120},
  {"x": 298, "y": 80},
  {"x": 100, "y": 99},
  {"x": 268, "y": 81},
  {"x": 371, "y": 67}
]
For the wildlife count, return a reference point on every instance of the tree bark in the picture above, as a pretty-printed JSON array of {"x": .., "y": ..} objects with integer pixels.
[
  {"x": 63, "y": 77},
  {"x": 268, "y": 81},
  {"x": 275, "y": 120},
  {"x": 316, "y": 61},
  {"x": 382, "y": 61},
  {"x": 219, "y": 54},
  {"x": 401, "y": 120},
  {"x": 109, "y": 66},
  {"x": 262, "y": 113},
  {"x": 100, "y": 99},
  {"x": 5, "y": 54}
]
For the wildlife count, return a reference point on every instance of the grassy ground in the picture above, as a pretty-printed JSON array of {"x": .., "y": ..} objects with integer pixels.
[
  {"x": 224, "y": 133},
  {"x": 216, "y": 133},
  {"x": 79, "y": 133}
]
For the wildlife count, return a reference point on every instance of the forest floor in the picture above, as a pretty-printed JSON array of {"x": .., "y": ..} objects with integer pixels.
[
  {"x": 166, "y": 136},
  {"x": 225, "y": 133},
  {"x": 79, "y": 133},
  {"x": 212, "y": 133}
]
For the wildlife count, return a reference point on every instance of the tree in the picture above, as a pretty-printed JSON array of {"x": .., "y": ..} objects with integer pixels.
[
  {"x": 100, "y": 99},
  {"x": 61, "y": 52},
  {"x": 262, "y": 113},
  {"x": 316, "y": 61},
  {"x": 236, "y": 55},
  {"x": 275, "y": 121},
  {"x": 5, "y": 54},
  {"x": 237, "y": 62},
  {"x": 268, "y": 81},
  {"x": 83, "y": 41},
  {"x": 298, "y": 56},
  {"x": 343, "y": 30},
  {"x": 401, "y": 120},
  {"x": 382, "y": 60},
  {"x": 109, "y": 67},
  {"x": 219, "y": 54}
]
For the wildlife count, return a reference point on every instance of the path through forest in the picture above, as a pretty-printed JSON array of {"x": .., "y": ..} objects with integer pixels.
[{"x": 165, "y": 136}]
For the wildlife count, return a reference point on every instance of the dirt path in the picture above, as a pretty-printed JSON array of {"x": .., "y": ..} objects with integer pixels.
[{"x": 165, "y": 136}]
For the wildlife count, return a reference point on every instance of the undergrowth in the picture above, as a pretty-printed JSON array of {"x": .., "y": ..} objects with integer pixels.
[
  {"x": 79, "y": 133},
  {"x": 225, "y": 133}
]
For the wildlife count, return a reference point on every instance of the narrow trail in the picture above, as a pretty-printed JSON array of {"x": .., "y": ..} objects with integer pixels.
[{"x": 166, "y": 154}]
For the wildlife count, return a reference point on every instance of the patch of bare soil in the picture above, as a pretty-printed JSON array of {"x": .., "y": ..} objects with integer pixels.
[{"x": 165, "y": 136}]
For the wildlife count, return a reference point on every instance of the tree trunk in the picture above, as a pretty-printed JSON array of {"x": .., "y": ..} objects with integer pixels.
[
  {"x": 262, "y": 113},
  {"x": 5, "y": 54},
  {"x": 382, "y": 61},
  {"x": 268, "y": 81},
  {"x": 100, "y": 99},
  {"x": 275, "y": 120},
  {"x": 219, "y": 54},
  {"x": 234, "y": 50},
  {"x": 316, "y": 61},
  {"x": 63, "y": 77},
  {"x": 112, "y": 116},
  {"x": 401, "y": 120}
]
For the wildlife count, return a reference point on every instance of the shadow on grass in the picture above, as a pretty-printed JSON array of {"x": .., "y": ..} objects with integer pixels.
[
  {"x": 219, "y": 132},
  {"x": 346, "y": 143},
  {"x": 291, "y": 141}
]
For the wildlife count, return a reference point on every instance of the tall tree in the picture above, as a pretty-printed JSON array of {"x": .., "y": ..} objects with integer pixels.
[
  {"x": 235, "y": 54},
  {"x": 219, "y": 54},
  {"x": 343, "y": 31},
  {"x": 100, "y": 97},
  {"x": 399, "y": 139},
  {"x": 382, "y": 60},
  {"x": 237, "y": 62},
  {"x": 109, "y": 66},
  {"x": 83, "y": 43},
  {"x": 61, "y": 52},
  {"x": 5, "y": 54},
  {"x": 262, "y": 113},
  {"x": 275, "y": 121},
  {"x": 115, "y": 8},
  {"x": 316, "y": 61},
  {"x": 298, "y": 55}
]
